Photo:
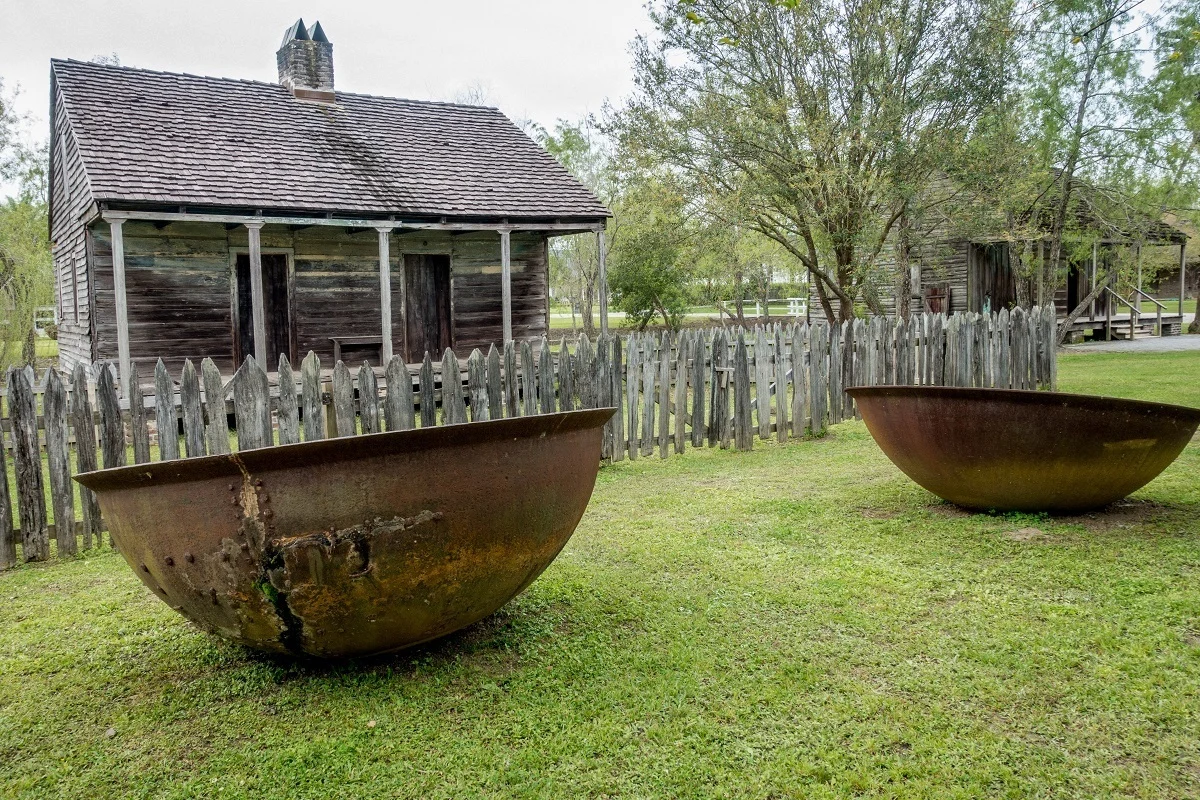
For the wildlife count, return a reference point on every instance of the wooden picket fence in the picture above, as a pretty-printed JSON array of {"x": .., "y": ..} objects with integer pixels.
[{"x": 716, "y": 387}]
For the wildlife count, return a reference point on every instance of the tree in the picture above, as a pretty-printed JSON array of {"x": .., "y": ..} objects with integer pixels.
[
  {"x": 1173, "y": 96},
  {"x": 575, "y": 260},
  {"x": 647, "y": 274},
  {"x": 26, "y": 272},
  {"x": 821, "y": 118}
]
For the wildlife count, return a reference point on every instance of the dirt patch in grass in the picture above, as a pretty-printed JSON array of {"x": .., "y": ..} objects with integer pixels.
[
  {"x": 1122, "y": 514},
  {"x": 949, "y": 510},
  {"x": 878, "y": 513},
  {"x": 1026, "y": 534}
]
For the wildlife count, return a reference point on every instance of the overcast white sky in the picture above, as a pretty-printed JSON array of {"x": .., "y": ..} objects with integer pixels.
[{"x": 537, "y": 59}]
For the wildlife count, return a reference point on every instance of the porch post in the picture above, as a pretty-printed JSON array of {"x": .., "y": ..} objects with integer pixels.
[
  {"x": 258, "y": 307},
  {"x": 602, "y": 279},
  {"x": 385, "y": 292},
  {"x": 1092, "y": 282},
  {"x": 118, "y": 261},
  {"x": 506, "y": 284},
  {"x": 1183, "y": 280}
]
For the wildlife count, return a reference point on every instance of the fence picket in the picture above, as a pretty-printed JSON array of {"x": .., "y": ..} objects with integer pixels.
[
  {"x": 62, "y": 493},
  {"x": 425, "y": 393},
  {"x": 681, "y": 393},
  {"x": 84, "y": 427},
  {"x": 368, "y": 399},
  {"x": 27, "y": 464},
  {"x": 566, "y": 377},
  {"x": 649, "y": 375},
  {"x": 781, "y": 386},
  {"x": 344, "y": 415},
  {"x": 818, "y": 377},
  {"x": 699, "y": 372},
  {"x": 617, "y": 389},
  {"x": 762, "y": 382},
  {"x": 312, "y": 408},
  {"x": 603, "y": 392},
  {"x": 477, "y": 387},
  {"x": 112, "y": 430},
  {"x": 545, "y": 379},
  {"x": 193, "y": 412},
  {"x": 139, "y": 434},
  {"x": 252, "y": 406},
  {"x": 633, "y": 380},
  {"x": 454, "y": 410},
  {"x": 799, "y": 380},
  {"x": 528, "y": 381},
  {"x": 398, "y": 405},
  {"x": 216, "y": 428},
  {"x": 495, "y": 384},
  {"x": 835, "y": 373},
  {"x": 164, "y": 413},
  {"x": 287, "y": 416},
  {"x": 743, "y": 432},
  {"x": 512, "y": 407},
  {"x": 8, "y": 541}
]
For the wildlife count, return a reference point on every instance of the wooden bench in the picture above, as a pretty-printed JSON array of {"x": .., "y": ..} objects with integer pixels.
[{"x": 355, "y": 341}]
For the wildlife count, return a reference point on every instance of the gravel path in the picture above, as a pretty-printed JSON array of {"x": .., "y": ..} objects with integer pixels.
[{"x": 1148, "y": 344}]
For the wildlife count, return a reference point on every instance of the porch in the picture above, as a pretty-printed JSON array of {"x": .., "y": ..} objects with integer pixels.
[{"x": 355, "y": 288}]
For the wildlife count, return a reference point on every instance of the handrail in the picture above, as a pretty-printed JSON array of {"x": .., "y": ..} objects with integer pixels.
[
  {"x": 1151, "y": 299},
  {"x": 1133, "y": 315}
]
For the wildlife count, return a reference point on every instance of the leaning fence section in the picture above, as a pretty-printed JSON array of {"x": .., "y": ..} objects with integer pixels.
[{"x": 716, "y": 387}]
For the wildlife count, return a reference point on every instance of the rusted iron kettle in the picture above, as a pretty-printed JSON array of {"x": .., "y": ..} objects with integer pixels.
[
  {"x": 359, "y": 545},
  {"x": 1012, "y": 450}
]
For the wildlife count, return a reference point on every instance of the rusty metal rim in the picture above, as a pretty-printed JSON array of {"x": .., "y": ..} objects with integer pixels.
[
  {"x": 326, "y": 451},
  {"x": 1094, "y": 402}
]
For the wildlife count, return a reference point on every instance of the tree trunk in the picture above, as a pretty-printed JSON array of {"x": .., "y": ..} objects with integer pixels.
[
  {"x": 589, "y": 325},
  {"x": 1017, "y": 264},
  {"x": 29, "y": 348},
  {"x": 823, "y": 297},
  {"x": 903, "y": 271},
  {"x": 739, "y": 294},
  {"x": 1067, "y": 176}
]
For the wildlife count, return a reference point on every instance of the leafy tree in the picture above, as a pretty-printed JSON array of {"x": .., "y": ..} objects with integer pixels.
[
  {"x": 647, "y": 275},
  {"x": 26, "y": 272},
  {"x": 823, "y": 119},
  {"x": 575, "y": 260}
]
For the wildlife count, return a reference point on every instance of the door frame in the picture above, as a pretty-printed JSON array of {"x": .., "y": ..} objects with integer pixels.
[
  {"x": 448, "y": 252},
  {"x": 293, "y": 339}
]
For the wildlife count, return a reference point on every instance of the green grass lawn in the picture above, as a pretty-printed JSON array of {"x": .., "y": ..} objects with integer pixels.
[
  {"x": 1172, "y": 306},
  {"x": 800, "y": 621}
]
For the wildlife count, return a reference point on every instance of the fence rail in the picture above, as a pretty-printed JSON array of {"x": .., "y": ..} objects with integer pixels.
[{"x": 716, "y": 387}]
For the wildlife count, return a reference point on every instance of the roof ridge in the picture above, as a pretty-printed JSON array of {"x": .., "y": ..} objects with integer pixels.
[{"x": 252, "y": 82}]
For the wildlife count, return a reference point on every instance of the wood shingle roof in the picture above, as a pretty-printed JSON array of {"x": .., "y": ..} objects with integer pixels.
[{"x": 157, "y": 137}]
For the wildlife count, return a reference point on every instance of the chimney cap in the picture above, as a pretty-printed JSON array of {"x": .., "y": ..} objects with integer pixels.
[
  {"x": 299, "y": 33},
  {"x": 317, "y": 33}
]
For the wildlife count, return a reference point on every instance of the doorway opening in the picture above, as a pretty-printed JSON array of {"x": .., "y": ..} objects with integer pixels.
[{"x": 276, "y": 307}]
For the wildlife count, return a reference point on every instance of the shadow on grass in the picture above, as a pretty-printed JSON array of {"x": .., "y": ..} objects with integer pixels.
[{"x": 493, "y": 645}]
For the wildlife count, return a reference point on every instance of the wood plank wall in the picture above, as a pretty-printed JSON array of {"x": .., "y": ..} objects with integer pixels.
[
  {"x": 179, "y": 288},
  {"x": 69, "y": 198}
]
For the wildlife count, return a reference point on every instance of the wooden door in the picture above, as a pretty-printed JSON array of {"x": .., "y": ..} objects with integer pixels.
[
  {"x": 993, "y": 284},
  {"x": 275, "y": 304},
  {"x": 426, "y": 306}
]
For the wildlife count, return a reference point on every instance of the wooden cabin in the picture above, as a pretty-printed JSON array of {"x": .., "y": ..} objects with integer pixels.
[
  {"x": 198, "y": 217},
  {"x": 952, "y": 274}
]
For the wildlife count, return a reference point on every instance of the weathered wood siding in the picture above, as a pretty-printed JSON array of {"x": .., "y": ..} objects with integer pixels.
[
  {"x": 180, "y": 291},
  {"x": 69, "y": 201},
  {"x": 177, "y": 287},
  {"x": 943, "y": 263}
]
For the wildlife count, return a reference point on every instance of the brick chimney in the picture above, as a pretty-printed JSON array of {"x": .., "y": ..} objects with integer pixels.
[{"x": 305, "y": 62}]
